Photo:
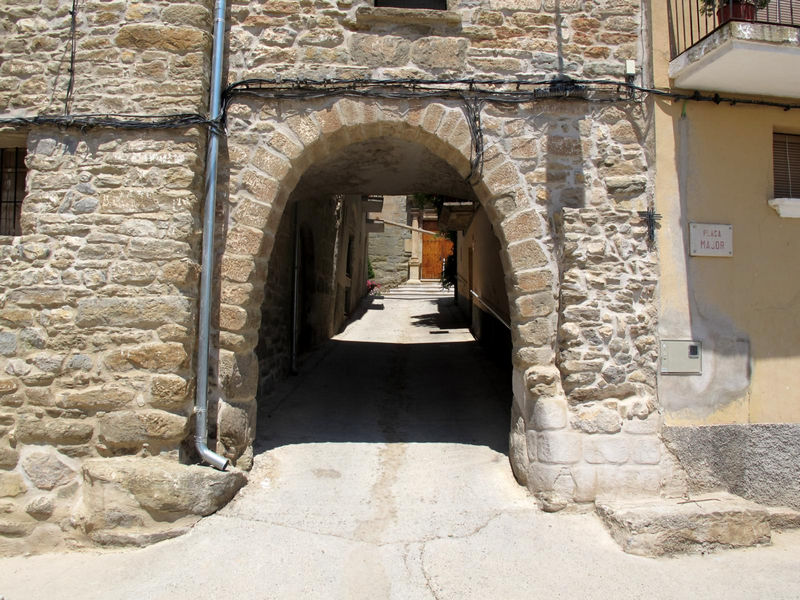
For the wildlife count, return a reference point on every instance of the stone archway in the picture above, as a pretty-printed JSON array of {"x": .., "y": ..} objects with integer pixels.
[
  {"x": 571, "y": 447},
  {"x": 269, "y": 150}
]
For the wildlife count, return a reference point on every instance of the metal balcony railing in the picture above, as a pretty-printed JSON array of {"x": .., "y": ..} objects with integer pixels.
[{"x": 691, "y": 21}]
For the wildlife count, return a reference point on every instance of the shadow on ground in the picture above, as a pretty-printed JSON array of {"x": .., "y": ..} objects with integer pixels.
[{"x": 354, "y": 391}]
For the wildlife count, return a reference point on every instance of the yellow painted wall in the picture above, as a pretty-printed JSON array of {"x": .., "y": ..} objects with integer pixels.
[{"x": 714, "y": 165}]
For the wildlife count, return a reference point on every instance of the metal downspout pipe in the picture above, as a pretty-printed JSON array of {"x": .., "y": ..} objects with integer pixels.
[{"x": 207, "y": 269}]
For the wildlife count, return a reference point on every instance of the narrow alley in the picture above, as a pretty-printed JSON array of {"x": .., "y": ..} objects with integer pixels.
[{"x": 381, "y": 471}]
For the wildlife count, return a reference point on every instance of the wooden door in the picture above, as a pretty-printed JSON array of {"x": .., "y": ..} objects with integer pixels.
[{"x": 434, "y": 250}]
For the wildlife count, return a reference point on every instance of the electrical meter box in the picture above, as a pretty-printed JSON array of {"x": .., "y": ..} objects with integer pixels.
[{"x": 681, "y": 357}]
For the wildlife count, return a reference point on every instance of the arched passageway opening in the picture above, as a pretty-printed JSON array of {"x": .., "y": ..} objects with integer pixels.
[
  {"x": 294, "y": 166},
  {"x": 395, "y": 366}
]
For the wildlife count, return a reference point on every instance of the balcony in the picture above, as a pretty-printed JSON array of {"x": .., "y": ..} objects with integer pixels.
[{"x": 730, "y": 47}]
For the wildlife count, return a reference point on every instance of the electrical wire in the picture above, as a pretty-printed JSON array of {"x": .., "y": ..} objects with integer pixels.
[
  {"x": 472, "y": 93},
  {"x": 113, "y": 121},
  {"x": 71, "y": 84}
]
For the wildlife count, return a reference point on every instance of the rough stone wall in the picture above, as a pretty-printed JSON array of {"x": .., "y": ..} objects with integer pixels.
[
  {"x": 274, "y": 348},
  {"x": 324, "y": 225},
  {"x": 349, "y": 38},
  {"x": 387, "y": 250},
  {"x": 98, "y": 295},
  {"x": 130, "y": 57},
  {"x": 98, "y": 312},
  {"x": 97, "y": 304}
]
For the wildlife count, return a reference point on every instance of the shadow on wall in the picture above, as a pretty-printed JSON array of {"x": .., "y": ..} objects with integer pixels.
[{"x": 726, "y": 348}]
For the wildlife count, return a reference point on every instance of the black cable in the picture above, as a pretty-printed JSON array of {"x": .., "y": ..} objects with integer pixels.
[
  {"x": 473, "y": 93},
  {"x": 70, "y": 85},
  {"x": 114, "y": 121},
  {"x": 510, "y": 91}
]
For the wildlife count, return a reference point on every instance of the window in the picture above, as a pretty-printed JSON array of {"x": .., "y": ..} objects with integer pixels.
[
  {"x": 12, "y": 189},
  {"x": 432, "y": 4},
  {"x": 786, "y": 165}
]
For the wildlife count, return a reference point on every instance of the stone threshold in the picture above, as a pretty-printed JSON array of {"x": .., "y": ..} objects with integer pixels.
[{"x": 702, "y": 523}]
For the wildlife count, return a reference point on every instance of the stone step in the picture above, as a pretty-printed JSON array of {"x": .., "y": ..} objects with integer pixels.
[
  {"x": 421, "y": 290},
  {"x": 664, "y": 526}
]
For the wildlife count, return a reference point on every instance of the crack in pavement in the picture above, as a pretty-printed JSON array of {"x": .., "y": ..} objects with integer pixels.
[
  {"x": 377, "y": 544},
  {"x": 425, "y": 574}
]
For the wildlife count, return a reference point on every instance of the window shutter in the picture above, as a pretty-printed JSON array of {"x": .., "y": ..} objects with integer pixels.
[{"x": 786, "y": 165}]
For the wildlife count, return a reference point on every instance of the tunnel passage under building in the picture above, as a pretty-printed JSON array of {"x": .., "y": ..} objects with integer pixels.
[{"x": 317, "y": 270}]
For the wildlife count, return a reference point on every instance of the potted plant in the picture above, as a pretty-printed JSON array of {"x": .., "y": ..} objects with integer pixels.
[{"x": 739, "y": 10}]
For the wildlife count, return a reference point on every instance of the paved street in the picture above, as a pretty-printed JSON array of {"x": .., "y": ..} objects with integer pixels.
[{"x": 381, "y": 472}]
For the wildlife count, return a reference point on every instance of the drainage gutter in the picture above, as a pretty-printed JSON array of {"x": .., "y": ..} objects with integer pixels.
[{"x": 207, "y": 270}]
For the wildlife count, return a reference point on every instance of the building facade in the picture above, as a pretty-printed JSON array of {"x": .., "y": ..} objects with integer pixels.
[
  {"x": 724, "y": 166},
  {"x": 529, "y": 109}
]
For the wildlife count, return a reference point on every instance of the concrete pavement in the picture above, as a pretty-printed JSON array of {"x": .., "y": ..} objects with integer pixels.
[{"x": 381, "y": 472}]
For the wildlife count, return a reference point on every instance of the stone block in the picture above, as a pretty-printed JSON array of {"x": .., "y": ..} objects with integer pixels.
[
  {"x": 270, "y": 163},
  {"x": 159, "y": 357},
  {"x": 532, "y": 281},
  {"x": 130, "y": 429},
  {"x": 606, "y": 449},
  {"x": 597, "y": 418},
  {"x": 537, "y": 332},
  {"x": 618, "y": 481},
  {"x": 8, "y": 386},
  {"x": 41, "y": 508},
  {"x": 558, "y": 447},
  {"x": 106, "y": 397},
  {"x": 12, "y": 485},
  {"x": 132, "y": 272},
  {"x": 530, "y": 446},
  {"x": 542, "y": 477},
  {"x": 46, "y": 470},
  {"x": 8, "y": 343},
  {"x": 645, "y": 450},
  {"x": 626, "y": 186},
  {"x": 235, "y": 428},
  {"x": 146, "y": 36},
  {"x": 535, "y": 305},
  {"x": 439, "y": 52},
  {"x": 655, "y": 527},
  {"x": 238, "y": 374},
  {"x": 232, "y": 318},
  {"x": 37, "y": 297},
  {"x": 518, "y": 447},
  {"x": 244, "y": 241},
  {"x": 183, "y": 273},
  {"x": 636, "y": 425},
  {"x": 542, "y": 380},
  {"x": 502, "y": 180},
  {"x": 8, "y": 458},
  {"x": 169, "y": 392},
  {"x": 286, "y": 146},
  {"x": 155, "y": 249},
  {"x": 522, "y": 226},
  {"x": 195, "y": 15},
  {"x": 379, "y": 50},
  {"x": 585, "y": 478},
  {"x": 16, "y": 317},
  {"x": 550, "y": 413},
  {"x": 31, "y": 429},
  {"x": 16, "y": 526},
  {"x": 165, "y": 489},
  {"x": 526, "y": 255}
]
